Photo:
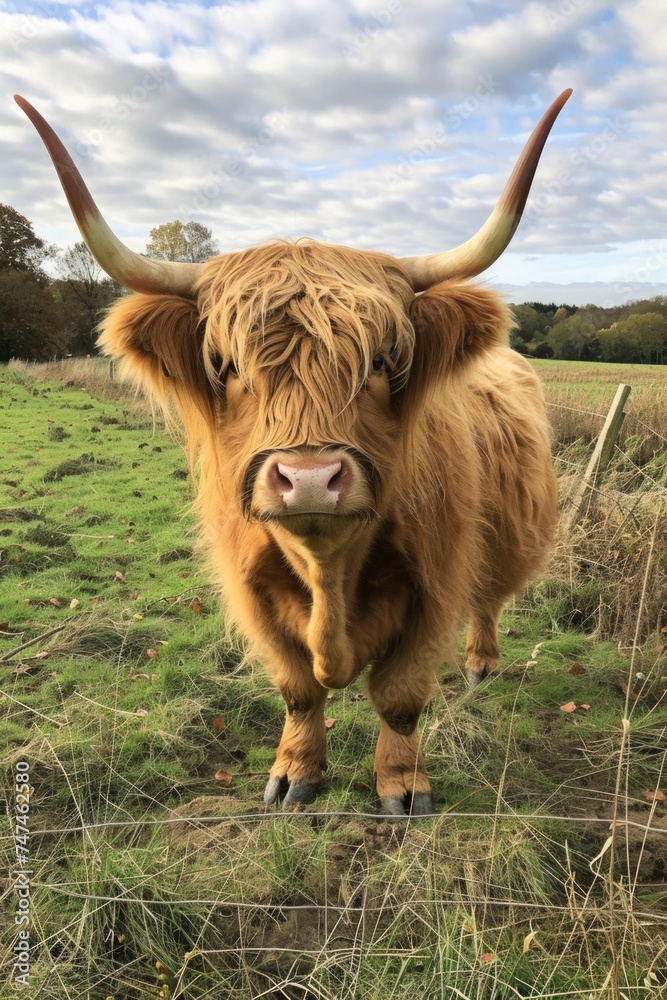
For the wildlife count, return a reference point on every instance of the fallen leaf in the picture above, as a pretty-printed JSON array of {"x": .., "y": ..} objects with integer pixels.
[
  {"x": 329, "y": 723},
  {"x": 23, "y": 668},
  {"x": 664, "y": 629},
  {"x": 512, "y": 633},
  {"x": 142, "y": 712},
  {"x": 94, "y": 601},
  {"x": 587, "y": 707},
  {"x": 153, "y": 653},
  {"x": 467, "y": 927},
  {"x": 633, "y": 694},
  {"x": 74, "y": 603},
  {"x": 139, "y": 618},
  {"x": 223, "y": 778},
  {"x": 219, "y": 724},
  {"x": 488, "y": 956},
  {"x": 528, "y": 940},
  {"x": 42, "y": 655},
  {"x": 577, "y": 669},
  {"x": 657, "y": 796},
  {"x": 130, "y": 541},
  {"x": 568, "y": 707},
  {"x": 55, "y": 602},
  {"x": 119, "y": 576},
  {"x": 363, "y": 787},
  {"x": 4, "y": 626},
  {"x": 135, "y": 596},
  {"x": 195, "y": 605}
]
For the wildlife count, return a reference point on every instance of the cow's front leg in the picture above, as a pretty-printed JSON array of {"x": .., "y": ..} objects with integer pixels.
[
  {"x": 482, "y": 648},
  {"x": 302, "y": 752},
  {"x": 399, "y": 693}
]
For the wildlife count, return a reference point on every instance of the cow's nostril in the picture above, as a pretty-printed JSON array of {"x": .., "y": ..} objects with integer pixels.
[
  {"x": 281, "y": 481},
  {"x": 336, "y": 482}
]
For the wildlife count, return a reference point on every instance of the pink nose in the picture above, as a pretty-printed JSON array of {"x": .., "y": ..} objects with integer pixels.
[{"x": 308, "y": 485}]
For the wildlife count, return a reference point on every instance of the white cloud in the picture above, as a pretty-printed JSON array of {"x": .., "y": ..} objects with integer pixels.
[{"x": 400, "y": 122}]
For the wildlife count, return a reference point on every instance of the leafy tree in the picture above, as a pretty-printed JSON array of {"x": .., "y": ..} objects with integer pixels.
[
  {"x": 573, "y": 338},
  {"x": 191, "y": 242},
  {"x": 640, "y": 338},
  {"x": 20, "y": 248},
  {"x": 31, "y": 322},
  {"x": 549, "y": 309},
  {"x": 84, "y": 291},
  {"x": 529, "y": 323}
]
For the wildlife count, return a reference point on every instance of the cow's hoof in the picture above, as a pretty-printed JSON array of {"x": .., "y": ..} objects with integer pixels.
[
  {"x": 300, "y": 793},
  {"x": 419, "y": 804},
  {"x": 275, "y": 790},
  {"x": 280, "y": 791},
  {"x": 478, "y": 668}
]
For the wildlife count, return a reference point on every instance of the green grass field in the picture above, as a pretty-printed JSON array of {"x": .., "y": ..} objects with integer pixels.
[{"x": 156, "y": 872}]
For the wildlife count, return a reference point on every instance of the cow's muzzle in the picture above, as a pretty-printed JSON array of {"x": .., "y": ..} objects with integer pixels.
[{"x": 310, "y": 482}]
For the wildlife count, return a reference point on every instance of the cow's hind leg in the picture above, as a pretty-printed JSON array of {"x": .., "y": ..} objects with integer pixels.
[
  {"x": 399, "y": 694},
  {"x": 482, "y": 649},
  {"x": 302, "y": 752}
]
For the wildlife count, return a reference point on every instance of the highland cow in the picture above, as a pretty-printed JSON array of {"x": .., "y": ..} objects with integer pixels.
[{"x": 372, "y": 460}]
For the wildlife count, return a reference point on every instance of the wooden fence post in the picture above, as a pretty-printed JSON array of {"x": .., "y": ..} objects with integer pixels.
[{"x": 601, "y": 456}]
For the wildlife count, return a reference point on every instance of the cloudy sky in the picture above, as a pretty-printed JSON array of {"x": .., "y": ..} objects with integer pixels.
[{"x": 381, "y": 124}]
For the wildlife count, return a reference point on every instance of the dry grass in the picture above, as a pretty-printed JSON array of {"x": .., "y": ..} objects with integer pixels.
[
  {"x": 579, "y": 395},
  {"x": 299, "y": 906},
  {"x": 95, "y": 376}
]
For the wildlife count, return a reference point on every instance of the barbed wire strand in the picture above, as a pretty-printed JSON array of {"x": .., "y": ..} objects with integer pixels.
[
  {"x": 260, "y": 817},
  {"x": 521, "y": 904}
]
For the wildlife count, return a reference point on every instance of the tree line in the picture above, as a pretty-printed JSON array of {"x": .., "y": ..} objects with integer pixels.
[
  {"x": 635, "y": 333},
  {"x": 46, "y": 313},
  {"x": 51, "y": 300}
]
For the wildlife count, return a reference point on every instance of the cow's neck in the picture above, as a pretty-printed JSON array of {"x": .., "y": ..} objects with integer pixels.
[{"x": 330, "y": 568}]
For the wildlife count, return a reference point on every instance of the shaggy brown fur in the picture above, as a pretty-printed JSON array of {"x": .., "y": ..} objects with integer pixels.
[{"x": 275, "y": 354}]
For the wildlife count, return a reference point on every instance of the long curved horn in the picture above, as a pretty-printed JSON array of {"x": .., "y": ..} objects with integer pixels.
[
  {"x": 485, "y": 247},
  {"x": 130, "y": 269}
]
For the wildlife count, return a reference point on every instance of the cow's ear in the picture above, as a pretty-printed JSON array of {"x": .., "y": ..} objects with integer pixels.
[
  {"x": 158, "y": 338},
  {"x": 454, "y": 324}
]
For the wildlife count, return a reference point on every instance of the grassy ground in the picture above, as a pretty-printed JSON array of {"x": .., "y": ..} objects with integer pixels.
[
  {"x": 580, "y": 394},
  {"x": 151, "y": 737}
]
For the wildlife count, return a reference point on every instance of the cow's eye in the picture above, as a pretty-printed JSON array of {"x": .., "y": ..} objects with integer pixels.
[{"x": 379, "y": 363}]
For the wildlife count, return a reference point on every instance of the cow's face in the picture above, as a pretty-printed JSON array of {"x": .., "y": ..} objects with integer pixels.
[
  {"x": 307, "y": 346},
  {"x": 301, "y": 372},
  {"x": 293, "y": 361}
]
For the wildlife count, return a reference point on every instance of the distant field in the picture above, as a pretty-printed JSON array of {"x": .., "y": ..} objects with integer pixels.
[
  {"x": 574, "y": 387},
  {"x": 130, "y": 700}
]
